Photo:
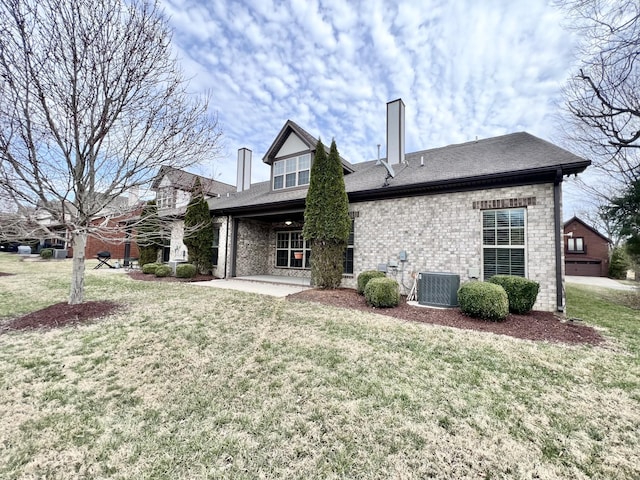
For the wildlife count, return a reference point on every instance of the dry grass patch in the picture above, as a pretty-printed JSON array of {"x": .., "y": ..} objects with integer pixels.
[{"x": 189, "y": 382}]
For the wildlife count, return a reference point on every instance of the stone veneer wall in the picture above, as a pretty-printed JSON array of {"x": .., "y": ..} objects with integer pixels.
[
  {"x": 443, "y": 233},
  {"x": 253, "y": 249}
]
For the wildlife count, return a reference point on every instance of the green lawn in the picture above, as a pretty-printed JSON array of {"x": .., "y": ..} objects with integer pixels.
[{"x": 191, "y": 383}]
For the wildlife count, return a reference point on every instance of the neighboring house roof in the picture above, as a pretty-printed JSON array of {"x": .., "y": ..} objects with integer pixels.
[
  {"x": 185, "y": 180},
  {"x": 588, "y": 227},
  {"x": 514, "y": 159},
  {"x": 309, "y": 140}
]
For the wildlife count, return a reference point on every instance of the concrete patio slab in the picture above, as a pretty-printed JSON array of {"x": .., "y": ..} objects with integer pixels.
[{"x": 261, "y": 287}]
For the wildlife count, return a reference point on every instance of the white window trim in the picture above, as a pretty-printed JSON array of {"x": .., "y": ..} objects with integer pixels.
[
  {"x": 284, "y": 173},
  {"x": 306, "y": 248},
  {"x": 165, "y": 198},
  {"x": 525, "y": 246}
]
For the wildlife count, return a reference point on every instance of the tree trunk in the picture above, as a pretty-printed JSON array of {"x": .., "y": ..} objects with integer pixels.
[{"x": 76, "y": 294}]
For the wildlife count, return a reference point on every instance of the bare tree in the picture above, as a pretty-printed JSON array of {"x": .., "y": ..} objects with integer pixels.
[
  {"x": 603, "y": 98},
  {"x": 92, "y": 103}
]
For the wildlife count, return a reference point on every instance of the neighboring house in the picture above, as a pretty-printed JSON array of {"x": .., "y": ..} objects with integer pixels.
[
  {"x": 173, "y": 193},
  {"x": 117, "y": 237},
  {"x": 586, "y": 250},
  {"x": 474, "y": 209},
  {"x": 112, "y": 232}
]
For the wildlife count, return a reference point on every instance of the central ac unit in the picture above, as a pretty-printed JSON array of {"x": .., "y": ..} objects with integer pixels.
[{"x": 438, "y": 289}]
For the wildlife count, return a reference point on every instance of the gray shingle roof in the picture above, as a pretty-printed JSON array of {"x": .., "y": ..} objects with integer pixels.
[
  {"x": 185, "y": 180},
  {"x": 518, "y": 157}
]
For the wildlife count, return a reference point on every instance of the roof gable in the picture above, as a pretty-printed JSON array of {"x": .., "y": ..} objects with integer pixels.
[
  {"x": 587, "y": 226},
  {"x": 294, "y": 139},
  {"x": 293, "y": 144},
  {"x": 304, "y": 137}
]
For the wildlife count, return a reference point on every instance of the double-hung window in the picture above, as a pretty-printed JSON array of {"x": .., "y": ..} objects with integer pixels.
[
  {"x": 291, "y": 172},
  {"x": 292, "y": 251},
  {"x": 503, "y": 242},
  {"x": 575, "y": 245}
]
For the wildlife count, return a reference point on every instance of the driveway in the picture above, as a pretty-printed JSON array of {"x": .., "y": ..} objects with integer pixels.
[{"x": 599, "y": 282}]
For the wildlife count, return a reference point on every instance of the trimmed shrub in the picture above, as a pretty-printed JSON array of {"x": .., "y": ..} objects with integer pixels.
[
  {"x": 185, "y": 270},
  {"x": 382, "y": 292},
  {"x": 163, "y": 271},
  {"x": 522, "y": 292},
  {"x": 367, "y": 275},
  {"x": 150, "y": 268},
  {"x": 46, "y": 253},
  {"x": 483, "y": 300}
]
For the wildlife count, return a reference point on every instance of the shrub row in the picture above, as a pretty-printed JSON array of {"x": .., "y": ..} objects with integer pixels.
[
  {"x": 183, "y": 270},
  {"x": 493, "y": 300}
]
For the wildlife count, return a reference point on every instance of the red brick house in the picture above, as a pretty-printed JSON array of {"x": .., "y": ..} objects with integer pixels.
[
  {"x": 117, "y": 239},
  {"x": 586, "y": 250},
  {"x": 116, "y": 235}
]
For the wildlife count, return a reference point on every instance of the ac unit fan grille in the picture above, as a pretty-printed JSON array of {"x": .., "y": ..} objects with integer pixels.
[{"x": 438, "y": 289}]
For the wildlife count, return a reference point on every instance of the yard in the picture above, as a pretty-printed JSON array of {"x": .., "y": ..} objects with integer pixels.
[{"x": 188, "y": 383}]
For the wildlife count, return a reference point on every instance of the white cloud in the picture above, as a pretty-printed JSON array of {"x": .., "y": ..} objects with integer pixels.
[{"x": 464, "y": 69}]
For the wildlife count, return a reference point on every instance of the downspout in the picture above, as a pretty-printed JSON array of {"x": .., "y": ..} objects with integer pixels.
[
  {"x": 234, "y": 247},
  {"x": 226, "y": 249},
  {"x": 557, "y": 210}
]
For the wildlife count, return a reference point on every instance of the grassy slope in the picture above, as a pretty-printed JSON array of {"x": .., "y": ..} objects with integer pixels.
[{"x": 192, "y": 382}]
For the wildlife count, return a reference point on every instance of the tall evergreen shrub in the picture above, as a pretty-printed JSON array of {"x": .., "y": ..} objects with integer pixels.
[
  {"x": 198, "y": 230},
  {"x": 326, "y": 217},
  {"x": 619, "y": 264},
  {"x": 148, "y": 234}
]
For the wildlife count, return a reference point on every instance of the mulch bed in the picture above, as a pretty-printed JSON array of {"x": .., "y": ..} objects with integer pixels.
[
  {"x": 63, "y": 314},
  {"x": 539, "y": 326},
  {"x": 60, "y": 315},
  {"x": 138, "y": 275}
]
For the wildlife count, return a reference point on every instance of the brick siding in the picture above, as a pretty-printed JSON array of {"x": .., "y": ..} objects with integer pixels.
[{"x": 439, "y": 233}]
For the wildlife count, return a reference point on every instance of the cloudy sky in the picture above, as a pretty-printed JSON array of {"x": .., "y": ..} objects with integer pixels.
[{"x": 464, "y": 69}]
